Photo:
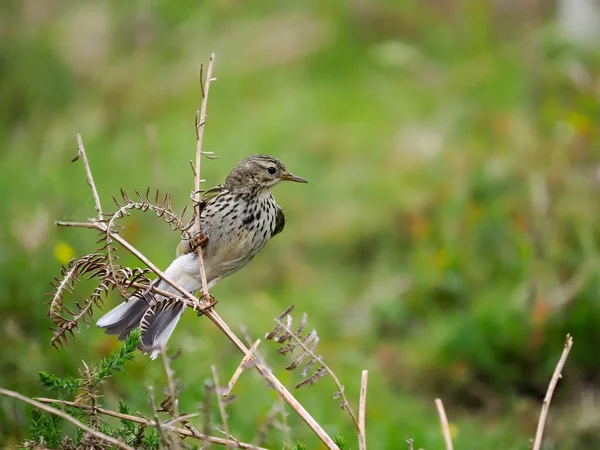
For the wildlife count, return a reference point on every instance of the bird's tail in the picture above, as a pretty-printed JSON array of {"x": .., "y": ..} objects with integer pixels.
[{"x": 157, "y": 324}]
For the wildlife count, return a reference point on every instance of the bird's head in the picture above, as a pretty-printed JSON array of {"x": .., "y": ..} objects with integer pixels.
[{"x": 259, "y": 173}]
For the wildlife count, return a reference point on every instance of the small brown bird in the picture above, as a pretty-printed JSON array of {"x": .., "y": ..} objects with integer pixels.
[{"x": 238, "y": 217}]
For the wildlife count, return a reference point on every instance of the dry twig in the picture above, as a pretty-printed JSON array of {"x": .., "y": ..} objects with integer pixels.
[
  {"x": 220, "y": 404},
  {"x": 537, "y": 442},
  {"x": 362, "y": 435},
  {"x": 246, "y": 360},
  {"x": 67, "y": 417},
  {"x": 200, "y": 121},
  {"x": 81, "y": 154},
  {"x": 444, "y": 422}
]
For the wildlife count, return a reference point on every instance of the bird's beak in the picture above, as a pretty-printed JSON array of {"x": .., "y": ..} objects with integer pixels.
[{"x": 289, "y": 177}]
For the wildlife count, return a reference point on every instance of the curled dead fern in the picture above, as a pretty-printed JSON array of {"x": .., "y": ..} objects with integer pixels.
[
  {"x": 160, "y": 205},
  {"x": 66, "y": 320}
]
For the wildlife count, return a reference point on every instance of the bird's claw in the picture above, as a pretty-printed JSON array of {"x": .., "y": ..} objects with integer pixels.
[
  {"x": 199, "y": 240},
  {"x": 211, "y": 303}
]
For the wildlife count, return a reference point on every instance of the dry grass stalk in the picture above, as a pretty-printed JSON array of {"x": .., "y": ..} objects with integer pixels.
[
  {"x": 199, "y": 125},
  {"x": 220, "y": 404},
  {"x": 362, "y": 408},
  {"x": 246, "y": 361},
  {"x": 444, "y": 423},
  {"x": 537, "y": 442}
]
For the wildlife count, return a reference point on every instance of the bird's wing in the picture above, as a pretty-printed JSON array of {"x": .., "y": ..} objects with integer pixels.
[
  {"x": 279, "y": 222},
  {"x": 206, "y": 199}
]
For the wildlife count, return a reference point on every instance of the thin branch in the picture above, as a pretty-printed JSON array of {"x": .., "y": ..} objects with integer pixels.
[
  {"x": 81, "y": 154},
  {"x": 362, "y": 435},
  {"x": 206, "y": 410},
  {"x": 220, "y": 403},
  {"x": 141, "y": 420},
  {"x": 444, "y": 422},
  {"x": 159, "y": 428},
  {"x": 67, "y": 417},
  {"x": 243, "y": 364},
  {"x": 410, "y": 442},
  {"x": 170, "y": 382},
  {"x": 200, "y": 121},
  {"x": 300, "y": 342},
  {"x": 537, "y": 443}
]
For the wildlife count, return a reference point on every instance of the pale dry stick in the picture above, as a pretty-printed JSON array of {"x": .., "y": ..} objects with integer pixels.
[
  {"x": 81, "y": 154},
  {"x": 537, "y": 442},
  {"x": 150, "y": 423},
  {"x": 362, "y": 408},
  {"x": 199, "y": 135},
  {"x": 444, "y": 422},
  {"x": 287, "y": 438},
  {"x": 220, "y": 404},
  {"x": 300, "y": 342},
  {"x": 67, "y": 417},
  {"x": 222, "y": 325},
  {"x": 170, "y": 381},
  {"x": 159, "y": 428},
  {"x": 245, "y": 361},
  {"x": 410, "y": 442}
]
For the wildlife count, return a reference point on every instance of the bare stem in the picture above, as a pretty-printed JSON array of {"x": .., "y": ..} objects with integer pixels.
[
  {"x": 362, "y": 435},
  {"x": 220, "y": 403},
  {"x": 199, "y": 135},
  {"x": 245, "y": 361},
  {"x": 141, "y": 420},
  {"x": 537, "y": 442},
  {"x": 159, "y": 428},
  {"x": 90, "y": 179},
  {"x": 444, "y": 422},
  {"x": 300, "y": 342},
  {"x": 67, "y": 417},
  {"x": 170, "y": 381}
]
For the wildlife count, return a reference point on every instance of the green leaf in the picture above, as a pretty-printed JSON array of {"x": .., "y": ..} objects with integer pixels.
[
  {"x": 115, "y": 361},
  {"x": 65, "y": 387}
]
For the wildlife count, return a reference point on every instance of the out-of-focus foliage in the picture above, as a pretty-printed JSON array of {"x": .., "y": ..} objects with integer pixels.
[{"x": 447, "y": 240}]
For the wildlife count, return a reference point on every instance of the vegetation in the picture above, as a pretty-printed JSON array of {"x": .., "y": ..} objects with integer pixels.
[{"x": 447, "y": 240}]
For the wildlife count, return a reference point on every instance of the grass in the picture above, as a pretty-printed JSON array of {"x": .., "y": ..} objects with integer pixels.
[{"x": 447, "y": 240}]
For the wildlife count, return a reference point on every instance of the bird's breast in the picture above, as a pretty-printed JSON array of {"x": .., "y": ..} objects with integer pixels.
[{"x": 237, "y": 228}]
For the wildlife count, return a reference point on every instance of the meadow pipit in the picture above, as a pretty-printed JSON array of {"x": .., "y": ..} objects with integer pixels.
[{"x": 238, "y": 217}]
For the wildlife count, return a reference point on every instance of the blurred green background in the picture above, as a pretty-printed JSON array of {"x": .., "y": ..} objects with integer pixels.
[{"x": 447, "y": 240}]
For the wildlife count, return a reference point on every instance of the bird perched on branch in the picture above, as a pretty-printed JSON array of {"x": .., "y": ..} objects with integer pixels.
[{"x": 238, "y": 217}]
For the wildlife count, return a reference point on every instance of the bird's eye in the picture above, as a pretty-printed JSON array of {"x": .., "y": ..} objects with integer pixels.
[{"x": 272, "y": 170}]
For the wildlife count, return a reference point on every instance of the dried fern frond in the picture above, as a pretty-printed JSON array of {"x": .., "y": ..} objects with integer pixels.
[
  {"x": 160, "y": 205},
  {"x": 299, "y": 343},
  {"x": 303, "y": 345},
  {"x": 66, "y": 320}
]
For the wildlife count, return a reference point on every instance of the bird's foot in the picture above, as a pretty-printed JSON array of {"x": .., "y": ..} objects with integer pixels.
[
  {"x": 211, "y": 303},
  {"x": 199, "y": 240}
]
